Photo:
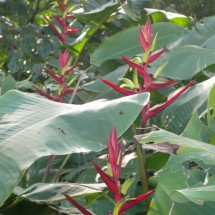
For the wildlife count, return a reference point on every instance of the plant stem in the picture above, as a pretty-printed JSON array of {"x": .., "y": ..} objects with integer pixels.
[
  {"x": 142, "y": 166},
  {"x": 48, "y": 168},
  {"x": 57, "y": 175}
]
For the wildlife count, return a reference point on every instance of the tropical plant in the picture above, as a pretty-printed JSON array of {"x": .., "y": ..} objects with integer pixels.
[{"x": 46, "y": 147}]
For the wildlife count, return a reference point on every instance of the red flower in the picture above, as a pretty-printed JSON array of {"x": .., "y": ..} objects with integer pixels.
[
  {"x": 77, "y": 205},
  {"x": 115, "y": 154},
  {"x": 146, "y": 35},
  {"x": 108, "y": 181},
  {"x": 148, "y": 113},
  {"x": 57, "y": 99},
  {"x": 61, "y": 5},
  {"x": 117, "y": 88},
  {"x": 134, "y": 201},
  {"x": 64, "y": 58},
  {"x": 58, "y": 78}
]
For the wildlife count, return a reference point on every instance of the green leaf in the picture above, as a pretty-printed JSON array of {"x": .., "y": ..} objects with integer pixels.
[
  {"x": 127, "y": 83},
  {"x": 211, "y": 106},
  {"x": 126, "y": 185},
  {"x": 8, "y": 84},
  {"x": 189, "y": 60},
  {"x": 93, "y": 21},
  {"x": 191, "y": 148},
  {"x": 43, "y": 48},
  {"x": 197, "y": 195},
  {"x": 54, "y": 192},
  {"x": 163, "y": 16},
  {"x": 33, "y": 127},
  {"x": 127, "y": 42},
  {"x": 13, "y": 61},
  {"x": 180, "y": 181},
  {"x": 194, "y": 128},
  {"x": 159, "y": 70}
]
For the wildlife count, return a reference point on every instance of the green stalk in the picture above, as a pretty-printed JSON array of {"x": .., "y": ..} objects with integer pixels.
[
  {"x": 48, "y": 168},
  {"x": 142, "y": 167},
  {"x": 57, "y": 175}
]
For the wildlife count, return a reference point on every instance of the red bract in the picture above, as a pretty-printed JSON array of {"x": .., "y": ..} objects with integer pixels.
[
  {"x": 61, "y": 5},
  {"x": 115, "y": 154},
  {"x": 148, "y": 113},
  {"x": 58, "y": 99},
  {"x": 135, "y": 201},
  {"x": 117, "y": 88},
  {"x": 115, "y": 159},
  {"x": 77, "y": 205},
  {"x": 157, "y": 110},
  {"x": 64, "y": 58},
  {"x": 107, "y": 179},
  {"x": 61, "y": 21},
  {"x": 155, "y": 55},
  {"x": 145, "y": 35},
  {"x": 139, "y": 68},
  {"x": 58, "y": 78}
]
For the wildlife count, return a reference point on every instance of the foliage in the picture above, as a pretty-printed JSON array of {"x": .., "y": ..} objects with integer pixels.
[
  {"x": 195, "y": 8},
  {"x": 46, "y": 147}
]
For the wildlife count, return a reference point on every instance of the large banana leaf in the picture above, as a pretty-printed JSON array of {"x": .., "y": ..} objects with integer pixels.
[
  {"x": 32, "y": 127},
  {"x": 187, "y": 180}
]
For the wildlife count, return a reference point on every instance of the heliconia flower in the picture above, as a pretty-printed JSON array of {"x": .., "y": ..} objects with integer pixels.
[
  {"x": 61, "y": 5},
  {"x": 152, "y": 112},
  {"x": 117, "y": 88},
  {"x": 60, "y": 36},
  {"x": 155, "y": 55},
  {"x": 58, "y": 78},
  {"x": 145, "y": 35},
  {"x": 107, "y": 179},
  {"x": 61, "y": 21},
  {"x": 115, "y": 159},
  {"x": 134, "y": 201},
  {"x": 115, "y": 154},
  {"x": 58, "y": 99},
  {"x": 152, "y": 86},
  {"x": 77, "y": 205},
  {"x": 64, "y": 58},
  {"x": 70, "y": 69}
]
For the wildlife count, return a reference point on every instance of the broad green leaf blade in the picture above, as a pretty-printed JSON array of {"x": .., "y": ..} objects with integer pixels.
[
  {"x": 185, "y": 144},
  {"x": 179, "y": 112},
  {"x": 126, "y": 185},
  {"x": 162, "y": 205},
  {"x": 194, "y": 128},
  {"x": 189, "y": 60},
  {"x": 8, "y": 83},
  {"x": 33, "y": 127},
  {"x": 54, "y": 192},
  {"x": 211, "y": 106},
  {"x": 181, "y": 186},
  {"x": 127, "y": 42},
  {"x": 163, "y": 16},
  {"x": 197, "y": 195},
  {"x": 93, "y": 21}
]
